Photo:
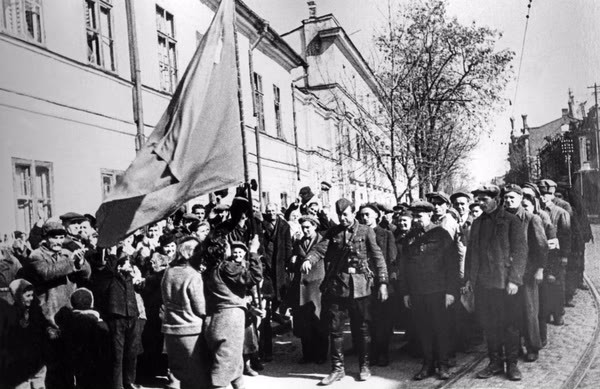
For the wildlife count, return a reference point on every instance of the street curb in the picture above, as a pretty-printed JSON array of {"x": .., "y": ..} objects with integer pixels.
[{"x": 590, "y": 352}]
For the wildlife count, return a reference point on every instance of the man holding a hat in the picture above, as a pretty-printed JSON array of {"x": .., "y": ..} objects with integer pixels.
[
  {"x": 355, "y": 265},
  {"x": 304, "y": 296},
  {"x": 495, "y": 265},
  {"x": 429, "y": 284}
]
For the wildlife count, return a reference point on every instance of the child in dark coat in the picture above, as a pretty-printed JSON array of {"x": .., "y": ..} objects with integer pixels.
[{"x": 87, "y": 341}]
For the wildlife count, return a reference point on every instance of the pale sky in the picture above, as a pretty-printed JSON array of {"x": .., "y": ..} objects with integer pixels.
[{"x": 560, "y": 53}]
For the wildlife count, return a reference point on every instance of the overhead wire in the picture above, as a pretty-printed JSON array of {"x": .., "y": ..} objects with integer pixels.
[{"x": 522, "y": 53}]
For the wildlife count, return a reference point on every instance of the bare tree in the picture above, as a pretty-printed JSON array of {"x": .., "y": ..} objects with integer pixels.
[{"x": 440, "y": 81}]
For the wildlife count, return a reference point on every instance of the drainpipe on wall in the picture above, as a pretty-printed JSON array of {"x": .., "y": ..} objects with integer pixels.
[
  {"x": 296, "y": 147},
  {"x": 136, "y": 76},
  {"x": 261, "y": 34}
]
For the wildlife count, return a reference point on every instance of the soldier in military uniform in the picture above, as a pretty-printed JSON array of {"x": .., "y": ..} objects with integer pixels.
[{"x": 354, "y": 265}]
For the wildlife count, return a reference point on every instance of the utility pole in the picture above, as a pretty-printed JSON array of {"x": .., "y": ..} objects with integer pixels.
[{"x": 595, "y": 88}]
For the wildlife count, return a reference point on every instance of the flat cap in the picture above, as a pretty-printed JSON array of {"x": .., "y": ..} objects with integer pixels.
[
  {"x": 71, "y": 217},
  {"x": 372, "y": 206},
  {"x": 490, "y": 190},
  {"x": 406, "y": 213},
  {"x": 438, "y": 196},
  {"x": 547, "y": 186},
  {"x": 399, "y": 208},
  {"x": 342, "y": 204},
  {"x": 309, "y": 218},
  {"x": 512, "y": 188},
  {"x": 458, "y": 194},
  {"x": 53, "y": 227},
  {"x": 532, "y": 187},
  {"x": 238, "y": 244},
  {"x": 421, "y": 206}
]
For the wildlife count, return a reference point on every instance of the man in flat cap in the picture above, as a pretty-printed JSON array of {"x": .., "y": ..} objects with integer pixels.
[
  {"x": 382, "y": 327},
  {"x": 443, "y": 217},
  {"x": 553, "y": 287},
  {"x": 429, "y": 284},
  {"x": 537, "y": 254},
  {"x": 354, "y": 266},
  {"x": 495, "y": 263},
  {"x": 72, "y": 222},
  {"x": 55, "y": 272}
]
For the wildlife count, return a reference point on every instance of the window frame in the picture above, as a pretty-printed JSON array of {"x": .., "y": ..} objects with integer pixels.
[
  {"x": 277, "y": 109},
  {"x": 259, "y": 101},
  {"x": 114, "y": 174},
  {"x": 98, "y": 33},
  {"x": 169, "y": 40},
  {"x": 33, "y": 198},
  {"x": 21, "y": 21}
]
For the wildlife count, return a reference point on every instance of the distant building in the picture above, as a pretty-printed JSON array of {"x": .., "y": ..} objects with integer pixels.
[{"x": 564, "y": 150}]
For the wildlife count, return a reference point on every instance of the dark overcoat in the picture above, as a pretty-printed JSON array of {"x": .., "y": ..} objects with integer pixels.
[
  {"x": 278, "y": 251},
  {"x": 430, "y": 264},
  {"x": 304, "y": 288},
  {"x": 506, "y": 251}
]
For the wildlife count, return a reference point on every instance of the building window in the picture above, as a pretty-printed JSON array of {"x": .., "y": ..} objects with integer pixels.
[
  {"x": 23, "y": 18},
  {"x": 167, "y": 57},
  {"x": 284, "y": 200},
  {"x": 110, "y": 178},
  {"x": 259, "y": 108},
  {"x": 265, "y": 198},
  {"x": 98, "y": 23},
  {"x": 32, "y": 182},
  {"x": 277, "y": 105}
]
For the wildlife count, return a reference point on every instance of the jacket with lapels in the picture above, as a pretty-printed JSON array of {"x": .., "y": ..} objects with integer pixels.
[{"x": 353, "y": 261}]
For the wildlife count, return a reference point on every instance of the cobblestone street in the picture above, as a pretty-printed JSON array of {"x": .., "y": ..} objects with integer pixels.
[{"x": 561, "y": 364}]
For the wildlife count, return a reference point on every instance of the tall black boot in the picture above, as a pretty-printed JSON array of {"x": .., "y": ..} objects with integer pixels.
[
  {"x": 363, "y": 357},
  {"x": 337, "y": 362}
]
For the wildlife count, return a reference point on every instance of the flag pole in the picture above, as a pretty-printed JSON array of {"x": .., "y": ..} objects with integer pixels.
[
  {"x": 242, "y": 124},
  {"x": 240, "y": 101}
]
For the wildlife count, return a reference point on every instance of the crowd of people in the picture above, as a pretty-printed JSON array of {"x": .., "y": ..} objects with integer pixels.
[{"x": 195, "y": 297}]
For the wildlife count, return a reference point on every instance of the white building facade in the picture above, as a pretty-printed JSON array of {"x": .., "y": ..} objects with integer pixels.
[{"x": 68, "y": 118}]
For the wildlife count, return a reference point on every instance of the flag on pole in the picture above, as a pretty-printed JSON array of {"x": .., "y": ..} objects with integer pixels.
[{"x": 195, "y": 148}]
